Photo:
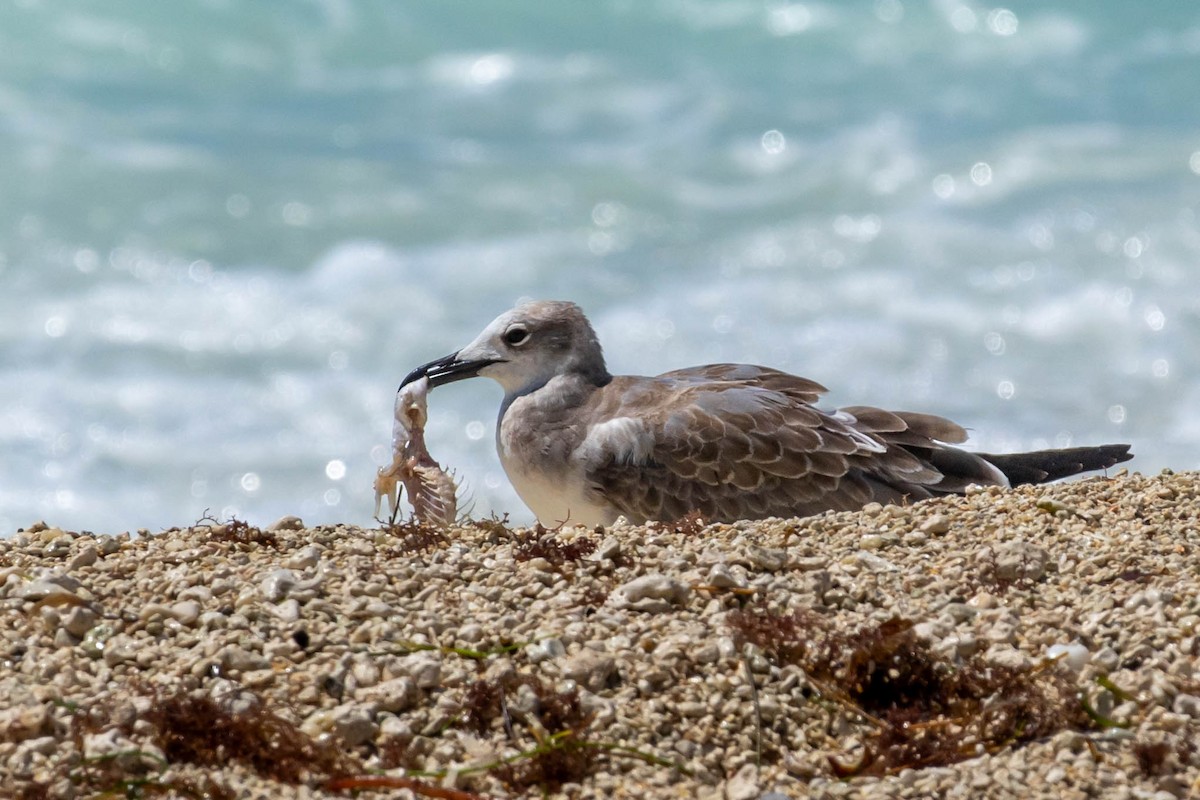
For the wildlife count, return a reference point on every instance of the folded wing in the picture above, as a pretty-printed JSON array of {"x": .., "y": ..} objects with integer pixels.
[{"x": 734, "y": 441}]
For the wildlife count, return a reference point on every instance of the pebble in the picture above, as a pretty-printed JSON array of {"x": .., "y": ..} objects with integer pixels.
[
  {"x": 1187, "y": 704},
  {"x": 86, "y": 557},
  {"x": 288, "y": 610},
  {"x": 766, "y": 559},
  {"x": 79, "y": 620},
  {"x": 608, "y": 549},
  {"x": 353, "y": 724},
  {"x": 112, "y": 743},
  {"x": 653, "y": 593},
  {"x": 287, "y": 523},
  {"x": 1010, "y": 657},
  {"x": 965, "y": 645},
  {"x": 469, "y": 633},
  {"x": 984, "y": 600},
  {"x": 1074, "y": 655},
  {"x": 118, "y": 649},
  {"x": 706, "y": 653},
  {"x": 18, "y": 723},
  {"x": 393, "y": 695},
  {"x": 873, "y": 562},
  {"x": 744, "y": 785},
  {"x": 590, "y": 669},
  {"x": 304, "y": 558},
  {"x": 95, "y": 640},
  {"x": 545, "y": 650},
  {"x": 959, "y": 612},
  {"x": 322, "y": 625},
  {"x": 872, "y": 541},
  {"x": 936, "y": 524},
  {"x": 1020, "y": 560},
  {"x": 234, "y": 657},
  {"x": 277, "y": 584},
  {"x": 51, "y": 592},
  {"x": 185, "y": 612},
  {"x": 425, "y": 669},
  {"x": 722, "y": 577}
]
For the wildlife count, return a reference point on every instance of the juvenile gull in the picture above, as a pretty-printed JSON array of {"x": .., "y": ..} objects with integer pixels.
[{"x": 730, "y": 441}]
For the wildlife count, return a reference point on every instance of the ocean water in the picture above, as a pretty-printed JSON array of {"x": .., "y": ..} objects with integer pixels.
[{"x": 228, "y": 229}]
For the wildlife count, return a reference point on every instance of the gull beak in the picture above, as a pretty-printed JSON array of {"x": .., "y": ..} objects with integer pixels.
[{"x": 448, "y": 369}]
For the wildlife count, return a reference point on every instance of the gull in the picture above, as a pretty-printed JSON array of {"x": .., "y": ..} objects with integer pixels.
[{"x": 726, "y": 441}]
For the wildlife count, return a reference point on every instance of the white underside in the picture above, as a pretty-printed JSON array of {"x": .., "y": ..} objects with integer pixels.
[{"x": 555, "y": 501}]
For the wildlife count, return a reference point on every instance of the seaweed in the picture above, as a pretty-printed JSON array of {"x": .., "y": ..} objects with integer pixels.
[
  {"x": 1152, "y": 757},
  {"x": 922, "y": 710},
  {"x": 199, "y": 729},
  {"x": 690, "y": 524},
  {"x": 559, "y": 724},
  {"x": 497, "y": 526},
  {"x": 180, "y": 727},
  {"x": 593, "y": 598},
  {"x": 415, "y": 537},
  {"x": 240, "y": 534},
  {"x": 206, "y": 732},
  {"x": 540, "y": 543},
  {"x": 566, "y": 760},
  {"x": 1159, "y": 757},
  {"x": 556, "y": 712},
  {"x": 185, "y": 730}
]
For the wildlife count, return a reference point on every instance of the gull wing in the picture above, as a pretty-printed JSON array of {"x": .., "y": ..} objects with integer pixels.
[{"x": 734, "y": 441}]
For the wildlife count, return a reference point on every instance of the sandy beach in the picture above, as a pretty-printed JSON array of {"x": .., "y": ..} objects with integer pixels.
[{"x": 1039, "y": 642}]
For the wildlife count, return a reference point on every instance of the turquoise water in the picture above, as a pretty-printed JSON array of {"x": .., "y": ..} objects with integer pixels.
[{"x": 228, "y": 229}]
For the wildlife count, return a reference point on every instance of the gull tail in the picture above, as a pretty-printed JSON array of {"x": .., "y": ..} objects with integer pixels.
[{"x": 1043, "y": 466}]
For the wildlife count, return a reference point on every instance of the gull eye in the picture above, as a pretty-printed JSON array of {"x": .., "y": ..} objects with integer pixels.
[{"x": 516, "y": 336}]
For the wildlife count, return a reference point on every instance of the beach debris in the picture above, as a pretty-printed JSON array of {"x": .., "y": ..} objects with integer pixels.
[{"x": 431, "y": 490}]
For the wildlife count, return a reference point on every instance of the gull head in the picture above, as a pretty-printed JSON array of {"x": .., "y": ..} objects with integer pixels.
[{"x": 523, "y": 349}]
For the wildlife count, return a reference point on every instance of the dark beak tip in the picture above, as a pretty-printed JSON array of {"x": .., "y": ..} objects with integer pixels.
[
  {"x": 446, "y": 369},
  {"x": 429, "y": 370},
  {"x": 411, "y": 377}
]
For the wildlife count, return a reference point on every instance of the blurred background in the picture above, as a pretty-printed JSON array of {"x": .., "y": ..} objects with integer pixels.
[{"x": 228, "y": 229}]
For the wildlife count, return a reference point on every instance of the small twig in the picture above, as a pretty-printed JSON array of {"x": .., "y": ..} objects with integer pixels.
[
  {"x": 1098, "y": 718},
  {"x": 508, "y": 727},
  {"x": 552, "y": 742},
  {"x": 840, "y": 698},
  {"x": 1117, "y": 691},
  {"x": 405, "y": 648},
  {"x": 633, "y": 752}
]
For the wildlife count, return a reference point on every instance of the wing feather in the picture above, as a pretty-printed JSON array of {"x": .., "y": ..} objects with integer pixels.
[
  {"x": 876, "y": 419},
  {"x": 736, "y": 441},
  {"x": 938, "y": 428}
]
